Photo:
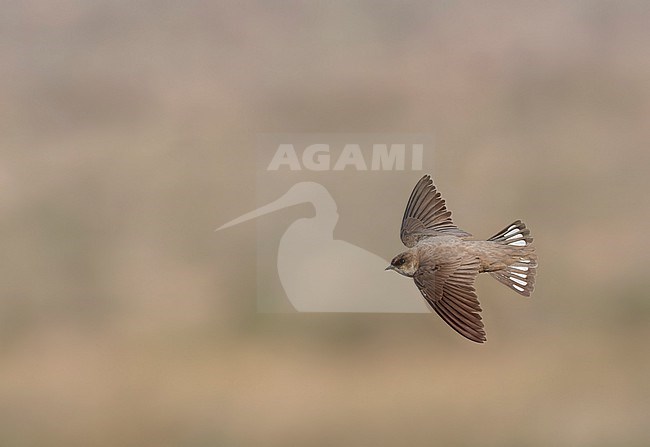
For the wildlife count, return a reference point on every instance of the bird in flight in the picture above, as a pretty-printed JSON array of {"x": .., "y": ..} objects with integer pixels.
[{"x": 444, "y": 261}]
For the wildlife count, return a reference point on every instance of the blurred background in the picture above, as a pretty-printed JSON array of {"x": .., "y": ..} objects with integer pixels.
[{"x": 128, "y": 135}]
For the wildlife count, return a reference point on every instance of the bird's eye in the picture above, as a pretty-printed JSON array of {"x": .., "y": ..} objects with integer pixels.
[{"x": 401, "y": 261}]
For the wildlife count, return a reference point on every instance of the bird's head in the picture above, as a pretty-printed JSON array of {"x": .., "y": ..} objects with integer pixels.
[{"x": 405, "y": 263}]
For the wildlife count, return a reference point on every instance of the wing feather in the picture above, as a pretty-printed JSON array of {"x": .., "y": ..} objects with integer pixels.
[
  {"x": 449, "y": 290},
  {"x": 426, "y": 215}
]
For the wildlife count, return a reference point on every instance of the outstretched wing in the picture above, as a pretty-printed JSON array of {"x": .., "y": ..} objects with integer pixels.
[
  {"x": 449, "y": 290},
  {"x": 426, "y": 215}
]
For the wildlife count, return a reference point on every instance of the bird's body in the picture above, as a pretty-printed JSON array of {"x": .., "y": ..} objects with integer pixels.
[
  {"x": 444, "y": 262},
  {"x": 492, "y": 256}
]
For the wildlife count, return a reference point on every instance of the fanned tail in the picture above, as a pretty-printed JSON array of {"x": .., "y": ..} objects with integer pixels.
[{"x": 520, "y": 274}]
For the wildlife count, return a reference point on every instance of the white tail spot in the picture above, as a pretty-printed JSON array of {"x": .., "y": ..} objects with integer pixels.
[
  {"x": 518, "y": 288},
  {"x": 511, "y": 232},
  {"x": 515, "y": 236},
  {"x": 519, "y": 267},
  {"x": 518, "y": 281},
  {"x": 520, "y": 243},
  {"x": 521, "y": 275},
  {"x": 526, "y": 261}
]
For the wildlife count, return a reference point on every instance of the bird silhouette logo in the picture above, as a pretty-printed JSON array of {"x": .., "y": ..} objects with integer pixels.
[{"x": 321, "y": 274}]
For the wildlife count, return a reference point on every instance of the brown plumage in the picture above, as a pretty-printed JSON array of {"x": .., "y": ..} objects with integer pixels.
[{"x": 443, "y": 260}]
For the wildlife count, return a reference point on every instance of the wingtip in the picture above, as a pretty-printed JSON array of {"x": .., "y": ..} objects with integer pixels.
[
  {"x": 480, "y": 338},
  {"x": 479, "y": 341}
]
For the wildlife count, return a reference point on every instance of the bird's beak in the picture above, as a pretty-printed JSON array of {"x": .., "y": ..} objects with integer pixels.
[
  {"x": 390, "y": 267},
  {"x": 283, "y": 202}
]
